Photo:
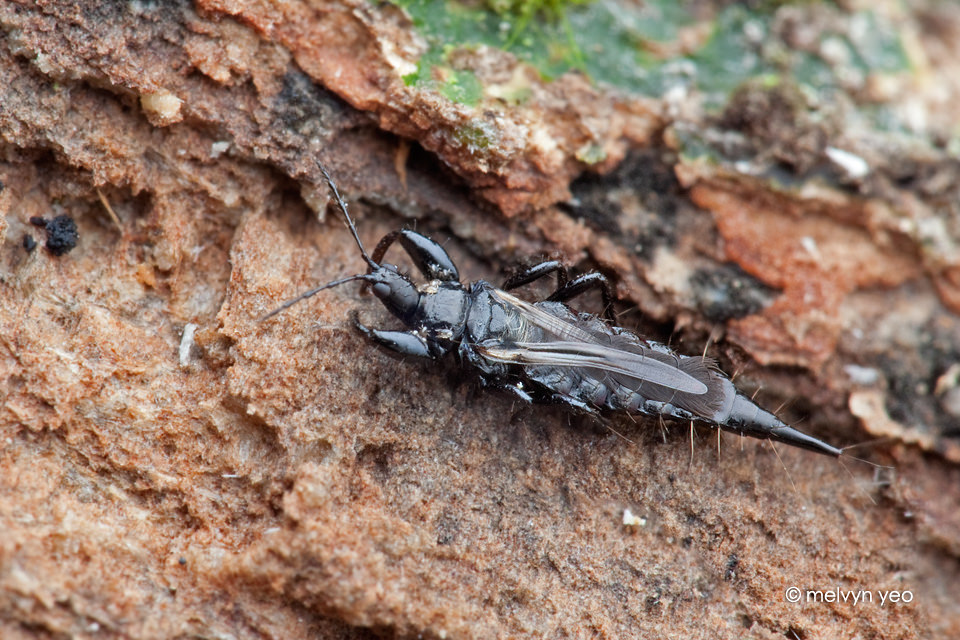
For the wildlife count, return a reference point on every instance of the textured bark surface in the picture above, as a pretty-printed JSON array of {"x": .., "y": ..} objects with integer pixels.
[{"x": 170, "y": 467}]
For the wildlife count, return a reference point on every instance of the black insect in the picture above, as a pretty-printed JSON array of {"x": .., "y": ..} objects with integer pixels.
[{"x": 544, "y": 352}]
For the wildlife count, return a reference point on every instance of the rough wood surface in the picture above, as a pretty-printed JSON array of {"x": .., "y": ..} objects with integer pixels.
[{"x": 287, "y": 480}]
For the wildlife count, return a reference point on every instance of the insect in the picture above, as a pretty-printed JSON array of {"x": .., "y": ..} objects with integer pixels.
[{"x": 545, "y": 352}]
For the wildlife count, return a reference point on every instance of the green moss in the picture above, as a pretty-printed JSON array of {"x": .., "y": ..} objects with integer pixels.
[
  {"x": 537, "y": 31},
  {"x": 551, "y": 9},
  {"x": 654, "y": 48},
  {"x": 634, "y": 46},
  {"x": 457, "y": 85},
  {"x": 462, "y": 87},
  {"x": 476, "y": 135}
]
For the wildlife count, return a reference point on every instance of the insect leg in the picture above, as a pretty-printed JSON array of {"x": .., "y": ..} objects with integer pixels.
[
  {"x": 565, "y": 290},
  {"x": 572, "y": 403},
  {"x": 383, "y": 245},
  {"x": 535, "y": 273},
  {"x": 431, "y": 259},
  {"x": 515, "y": 390},
  {"x": 584, "y": 283},
  {"x": 403, "y": 342}
]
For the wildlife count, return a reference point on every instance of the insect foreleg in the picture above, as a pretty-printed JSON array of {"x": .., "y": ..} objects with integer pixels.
[
  {"x": 582, "y": 284},
  {"x": 431, "y": 259},
  {"x": 383, "y": 245},
  {"x": 403, "y": 342}
]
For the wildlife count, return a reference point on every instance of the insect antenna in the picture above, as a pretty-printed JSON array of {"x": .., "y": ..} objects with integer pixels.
[
  {"x": 346, "y": 216},
  {"x": 307, "y": 294},
  {"x": 353, "y": 231}
]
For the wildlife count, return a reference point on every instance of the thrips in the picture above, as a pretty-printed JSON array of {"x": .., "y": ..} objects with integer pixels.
[{"x": 545, "y": 352}]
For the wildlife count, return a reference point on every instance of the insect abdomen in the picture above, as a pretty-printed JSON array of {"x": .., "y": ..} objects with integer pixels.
[{"x": 719, "y": 403}]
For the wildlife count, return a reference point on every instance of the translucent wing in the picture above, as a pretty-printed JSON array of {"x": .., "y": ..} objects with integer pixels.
[
  {"x": 625, "y": 365},
  {"x": 630, "y": 363}
]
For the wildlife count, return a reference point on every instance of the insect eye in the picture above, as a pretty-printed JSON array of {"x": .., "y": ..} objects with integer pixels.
[{"x": 381, "y": 289}]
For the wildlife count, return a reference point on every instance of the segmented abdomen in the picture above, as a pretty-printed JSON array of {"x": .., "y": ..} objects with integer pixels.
[
  {"x": 604, "y": 390},
  {"x": 579, "y": 360}
]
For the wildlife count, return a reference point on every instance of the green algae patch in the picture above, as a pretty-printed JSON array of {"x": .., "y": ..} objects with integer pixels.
[{"x": 658, "y": 46}]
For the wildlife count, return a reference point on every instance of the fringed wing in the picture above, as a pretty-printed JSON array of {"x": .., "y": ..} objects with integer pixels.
[
  {"x": 629, "y": 369},
  {"x": 617, "y": 357}
]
